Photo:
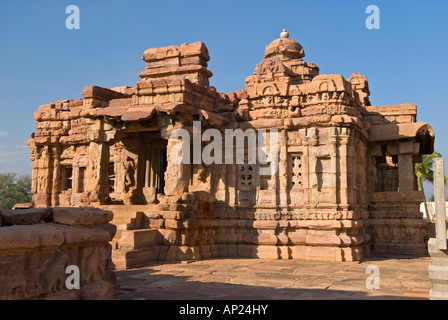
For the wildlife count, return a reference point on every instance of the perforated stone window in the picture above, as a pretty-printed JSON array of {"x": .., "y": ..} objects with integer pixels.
[
  {"x": 296, "y": 169},
  {"x": 246, "y": 175}
]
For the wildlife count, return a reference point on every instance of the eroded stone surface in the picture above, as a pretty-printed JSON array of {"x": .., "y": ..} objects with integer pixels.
[
  {"x": 26, "y": 216},
  {"x": 34, "y": 258},
  {"x": 82, "y": 216}
]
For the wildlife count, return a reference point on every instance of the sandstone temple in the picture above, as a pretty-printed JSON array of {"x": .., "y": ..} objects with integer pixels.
[{"x": 344, "y": 188}]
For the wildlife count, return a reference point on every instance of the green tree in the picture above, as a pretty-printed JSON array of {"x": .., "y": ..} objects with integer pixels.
[
  {"x": 14, "y": 189},
  {"x": 424, "y": 172}
]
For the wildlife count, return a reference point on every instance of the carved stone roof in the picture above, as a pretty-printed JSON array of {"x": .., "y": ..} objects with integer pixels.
[
  {"x": 394, "y": 131},
  {"x": 285, "y": 48}
]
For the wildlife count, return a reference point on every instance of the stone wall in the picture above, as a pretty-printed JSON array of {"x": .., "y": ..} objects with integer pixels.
[
  {"x": 37, "y": 246},
  {"x": 396, "y": 223},
  {"x": 196, "y": 229}
]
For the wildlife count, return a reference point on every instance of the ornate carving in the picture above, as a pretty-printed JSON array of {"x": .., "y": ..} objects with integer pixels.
[
  {"x": 271, "y": 65},
  {"x": 246, "y": 175},
  {"x": 296, "y": 170}
]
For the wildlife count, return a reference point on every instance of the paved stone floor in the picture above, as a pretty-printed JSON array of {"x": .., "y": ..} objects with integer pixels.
[{"x": 254, "y": 279}]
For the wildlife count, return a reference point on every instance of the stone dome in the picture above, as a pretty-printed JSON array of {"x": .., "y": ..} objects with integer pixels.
[{"x": 285, "y": 48}]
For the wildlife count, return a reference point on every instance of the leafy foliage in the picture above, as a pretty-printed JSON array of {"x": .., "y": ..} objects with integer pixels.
[
  {"x": 424, "y": 170},
  {"x": 14, "y": 189}
]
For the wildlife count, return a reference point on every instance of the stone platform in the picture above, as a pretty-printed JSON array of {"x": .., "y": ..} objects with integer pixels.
[{"x": 254, "y": 279}]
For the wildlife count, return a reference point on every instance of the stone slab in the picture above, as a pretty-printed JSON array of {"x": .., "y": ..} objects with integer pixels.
[{"x": 81, "y": 216}]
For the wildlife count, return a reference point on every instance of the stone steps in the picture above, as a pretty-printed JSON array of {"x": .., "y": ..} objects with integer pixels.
[
  {"x": 125, "y": 213},
  {"x": 133, "y": 248},
  {"x": 125, "y": 259}
]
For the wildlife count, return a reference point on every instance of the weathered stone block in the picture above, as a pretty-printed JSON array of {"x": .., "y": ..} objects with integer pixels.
[
  {"x": 81, "y": 216},
  {"x": 232, "y": 250},
  {"x": 179, "y": 253},
  {"x": 223, "y": 253},
  {"x": 316, "y": 253},
  {"x": 110, "y": 228},
  {"x": 26, "y": 216},
  {"x": 205, "y": 252},
  {"x": 124, "y": 258},
  {"x": 21, "y": 238},
  {"x": 297, "y": 237},
  {"x": 243, "y": 250},
  {"x": 285, "y": 252},
  {"x": 173, "y": 224},
  {"x": 415, "y": 249},
  {"x": 137, "y": 239},
  {"x": 323, "y": 239},
  {"x": 157, "y": 223},
  {"x": 93, "y": 264},
  {"x": 265, "y": 224},
  {"x": 162, "y": 252},
  {"x": 268, "y": 252},
  {"x": 83, "y": 235},
  {"x": 267, "y": 239},
  {"x": 168, "y": 237},
  {"x": 214, "y": 249}
]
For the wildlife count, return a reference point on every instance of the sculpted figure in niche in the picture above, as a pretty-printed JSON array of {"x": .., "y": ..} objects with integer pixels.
[
  {"x": 129, "y": 180},
  {"x": 271, "y": 65},
  {"x": 41, "y": 181},
  {"x": 129, "y": 177}
]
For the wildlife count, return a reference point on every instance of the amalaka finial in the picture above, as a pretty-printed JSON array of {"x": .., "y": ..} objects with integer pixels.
[{"x": 284, "y": 34}]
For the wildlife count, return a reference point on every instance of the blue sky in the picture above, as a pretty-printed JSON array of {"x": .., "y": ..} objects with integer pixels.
[{"x": 42, "y": 61}]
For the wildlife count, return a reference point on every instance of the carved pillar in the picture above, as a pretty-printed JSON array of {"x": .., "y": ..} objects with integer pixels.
[
  {"x": 361, "y": 169},
  {"x": 333, "y": 164},
  {"x": 283, "y": 169},
  {"x": 56, "y": 186},
  {"x": 405, "y": 172},
  {"x": 97, "y": 171},
  {"x": 273, "y": 182},
  {"x": 343, "y": 168},
  {"x": 220, "y": 181},
  {"x": 176, "y": 175},
  {"x": 306, "y": 165},
  {"x": 351, "y": 174},
  {"x": 44, "y": 178},
  {"x": 119, "y": 171},
  {"x": 231, "y": 177},
  {"x": 34, "y": 168}
]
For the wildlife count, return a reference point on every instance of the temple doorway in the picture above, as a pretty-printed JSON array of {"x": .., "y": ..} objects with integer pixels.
[{"x": 152, "y": 167}]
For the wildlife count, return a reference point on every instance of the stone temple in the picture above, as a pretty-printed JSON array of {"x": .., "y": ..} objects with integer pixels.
[{"x": 344, "y": 188}]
